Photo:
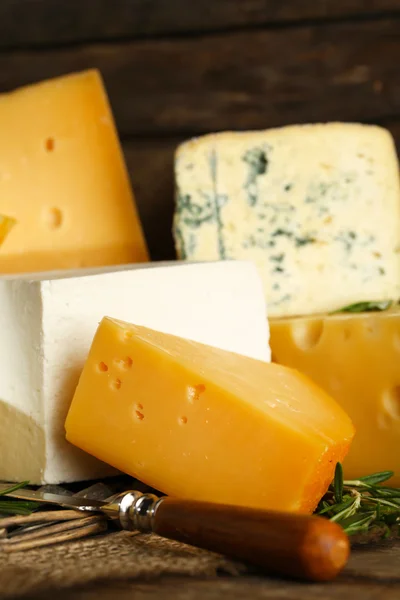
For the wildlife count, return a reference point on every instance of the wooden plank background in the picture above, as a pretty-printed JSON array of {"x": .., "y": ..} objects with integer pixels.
[{"x": 176, "y": 69}]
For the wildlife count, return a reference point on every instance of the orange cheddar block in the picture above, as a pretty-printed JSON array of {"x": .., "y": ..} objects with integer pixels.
[
  {"x": 197, "y": 422},
  {"x": 6, "y": 224},
  {"x": 356, "y": 359},
  {"x": 63, "y": 178}
]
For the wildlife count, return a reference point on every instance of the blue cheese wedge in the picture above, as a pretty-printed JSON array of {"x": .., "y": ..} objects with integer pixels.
[{"x": 315, "y": 207}]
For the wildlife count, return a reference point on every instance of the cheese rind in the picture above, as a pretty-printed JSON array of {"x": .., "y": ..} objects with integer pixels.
[
  {"x": 47, "y": 326},
  {"x": 316, "y": 207},
  {"x": 355, "y": 358},
  {"x": 198, "y": 422},
  {"x": 64, "y": 179}
]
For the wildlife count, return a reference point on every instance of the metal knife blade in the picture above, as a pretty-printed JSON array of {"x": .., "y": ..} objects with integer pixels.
[{"x": 74, "y": 502}]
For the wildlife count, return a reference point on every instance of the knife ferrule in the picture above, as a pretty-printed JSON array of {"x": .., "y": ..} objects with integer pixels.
[{"x": 134, "y": 510}]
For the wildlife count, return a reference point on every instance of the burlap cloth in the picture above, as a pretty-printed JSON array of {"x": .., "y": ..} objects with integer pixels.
[{"x": 114, "y": 556}]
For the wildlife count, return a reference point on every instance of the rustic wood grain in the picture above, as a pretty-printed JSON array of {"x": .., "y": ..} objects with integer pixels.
[
  {"x": 241, "y": 80},
  {"x": 394, "y": 128},
  {"x": 150, "y": 164},
  {"x": 44, "y": 22},
  {"x": 372, "y": 574}
]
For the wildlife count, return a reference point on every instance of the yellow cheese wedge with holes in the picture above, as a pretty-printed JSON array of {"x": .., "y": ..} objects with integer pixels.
[
  {"x": 63, "y": 177},
  {"x": 197, "y": 422},
  {"x": 356, "y": 359}
]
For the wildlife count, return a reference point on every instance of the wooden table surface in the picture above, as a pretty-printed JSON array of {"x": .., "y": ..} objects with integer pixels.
[{"x": 373, "y": 571}]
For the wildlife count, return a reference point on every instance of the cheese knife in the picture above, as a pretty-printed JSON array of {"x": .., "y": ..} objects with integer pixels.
[{"x": 300, "y": 546}]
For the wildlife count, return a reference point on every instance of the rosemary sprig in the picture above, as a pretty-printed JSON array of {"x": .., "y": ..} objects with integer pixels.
[
  {"x": 360, "y": 505},
  {"x": 9, "y": 506},
  {"x": 360, "y": 307}
]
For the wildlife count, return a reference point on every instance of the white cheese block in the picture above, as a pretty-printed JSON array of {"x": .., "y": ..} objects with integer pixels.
[
  {"x": 47, "y": 326},
  {"x": 316, "y": 207}
]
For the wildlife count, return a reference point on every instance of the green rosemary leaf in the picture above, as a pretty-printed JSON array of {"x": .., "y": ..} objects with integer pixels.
[
  {"x": 384, "y": 502},
  {"x": 336, "y": 508},
  {"x": 384, "y": 489},
  {"x": 360, "y": 307},
  {"x": 323, "y": 507},
  {"x": 365, "y": 483},
  {"x": 13, "y": 488},
  {"x": 383, "y": 492},
  {"x": 377, "y": 477},
  {"x": 17, "y": 508},
  {"x": 358, "y": 523},
  {"x": 347, "y": 512},
  {"x": 11, "y": 506},
  {"x": 338, "y": 483}
]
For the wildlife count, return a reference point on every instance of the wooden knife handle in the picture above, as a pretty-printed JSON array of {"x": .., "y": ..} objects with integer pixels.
[{"x": 301, "y": 546}]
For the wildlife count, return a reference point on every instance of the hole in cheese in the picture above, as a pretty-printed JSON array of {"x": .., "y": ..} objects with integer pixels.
[
  {"x": 139, "y": 406},
  {"x": 116, "y": 384},
  {"x": 123, "y": 363},
  {"x": 194, "y": 391},
  {"x": 102, "y": 367},
  {"x": 49, "y": 144},
  {"x": 139, "y": 415},
  {"x": 54, "y": 218},
  {"x": 391, "y": 402},
  {"x": 183, "y": 420},
  {"x": 307, "y": 334}
]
